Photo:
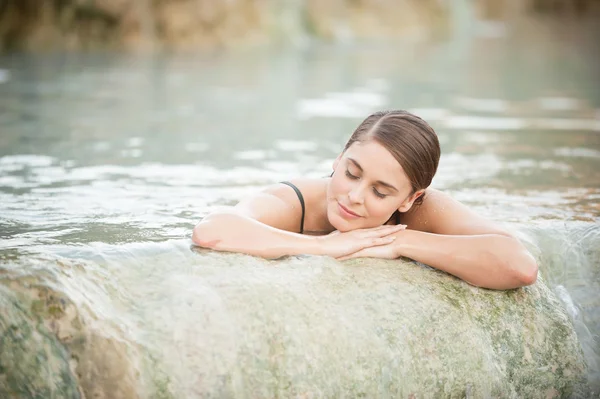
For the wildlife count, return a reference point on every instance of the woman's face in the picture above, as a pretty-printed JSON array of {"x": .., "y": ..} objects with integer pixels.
[{"x": 368, "y": 185}]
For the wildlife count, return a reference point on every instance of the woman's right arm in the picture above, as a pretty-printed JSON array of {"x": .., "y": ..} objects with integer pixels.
[
  {"x": 235, "y": 232},
  {"x": 264, "y": 224}
]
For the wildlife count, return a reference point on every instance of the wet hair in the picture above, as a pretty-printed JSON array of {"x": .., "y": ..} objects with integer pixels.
[{"x": 409, "y": 139}]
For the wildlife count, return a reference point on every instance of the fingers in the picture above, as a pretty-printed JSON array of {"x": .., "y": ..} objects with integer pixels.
[
  {"x": 387, "y": 227},
  {"x": 375, "y": 242},
  {"x": 385, "y": 230}
]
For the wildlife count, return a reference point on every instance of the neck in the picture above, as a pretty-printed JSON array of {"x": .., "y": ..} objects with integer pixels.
[{"x": 317, "y": 222}]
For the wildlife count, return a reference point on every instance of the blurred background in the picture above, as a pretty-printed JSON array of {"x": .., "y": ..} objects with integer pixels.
[
  {"x": 203, "y": 24},
  {"x": 124, "y": 122}
]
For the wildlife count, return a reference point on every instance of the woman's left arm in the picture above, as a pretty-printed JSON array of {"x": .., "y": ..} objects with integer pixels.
[{"x": 447, "y": 235}]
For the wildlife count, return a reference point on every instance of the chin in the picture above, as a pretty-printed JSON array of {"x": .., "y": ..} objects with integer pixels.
[{"x": 339, "y": 223}]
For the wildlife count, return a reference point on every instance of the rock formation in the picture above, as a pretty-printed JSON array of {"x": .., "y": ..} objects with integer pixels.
[{"x": 225, "y": 325}]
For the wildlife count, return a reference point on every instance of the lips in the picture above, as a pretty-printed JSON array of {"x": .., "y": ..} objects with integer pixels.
[{"x": 347, "y": 212}]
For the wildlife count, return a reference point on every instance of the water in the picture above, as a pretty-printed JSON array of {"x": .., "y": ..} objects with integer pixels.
[{"x": 108, "y": 160}]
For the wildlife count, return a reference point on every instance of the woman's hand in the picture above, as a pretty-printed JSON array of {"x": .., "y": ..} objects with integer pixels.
[
  {"x": 387, "y": 251},
  {"x": 350, "y": 243}
]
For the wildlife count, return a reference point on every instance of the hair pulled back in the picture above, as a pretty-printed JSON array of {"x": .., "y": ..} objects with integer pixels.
[{"x": 408, "y": 138}]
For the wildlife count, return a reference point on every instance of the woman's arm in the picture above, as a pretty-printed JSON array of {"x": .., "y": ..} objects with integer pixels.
[
  {"x": 263, "y": 226},
  {"x": 445, "y": 234},
  {"x": 235, "y": 232},
  {"x": 486, "y": 260}
]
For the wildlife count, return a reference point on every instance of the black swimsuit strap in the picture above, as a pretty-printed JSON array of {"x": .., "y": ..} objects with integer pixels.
[{"x": 301, "y": 198}]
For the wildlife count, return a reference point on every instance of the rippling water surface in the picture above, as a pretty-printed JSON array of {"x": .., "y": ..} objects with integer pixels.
[{"x": 108, "y": 158}]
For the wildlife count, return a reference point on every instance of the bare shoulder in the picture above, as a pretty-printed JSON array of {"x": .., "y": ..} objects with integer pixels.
[
  {"x": 278, "y": 205},
  {"x": 441, "y": 214}
]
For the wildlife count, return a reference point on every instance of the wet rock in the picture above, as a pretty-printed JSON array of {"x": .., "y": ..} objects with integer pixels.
[
  {"x": 33, "y": 362},
  {"x": 210, "y": 324},
  {"x": 384, "y": 328},
  {"x": 48, "y": 351}
]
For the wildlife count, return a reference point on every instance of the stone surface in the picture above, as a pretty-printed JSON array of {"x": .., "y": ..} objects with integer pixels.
[
  {"x": 186, "y": 323},
  {"x": 48, "y": 351},
  {"x": 33, "y": 362}
]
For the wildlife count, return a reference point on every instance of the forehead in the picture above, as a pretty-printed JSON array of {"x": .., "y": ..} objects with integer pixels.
[{"x": 376, "y": 161}]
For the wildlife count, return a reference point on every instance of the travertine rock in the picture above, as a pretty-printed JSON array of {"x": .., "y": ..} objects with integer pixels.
[{"x": 225, "y": 325}]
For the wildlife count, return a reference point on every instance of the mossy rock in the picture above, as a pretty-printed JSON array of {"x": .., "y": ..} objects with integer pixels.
[
  {"x": 314, "y": 327},
  {"x": 228, "y": 325},
  {"x": 53, "y": 347},
  {"x": 33, "y": 362}
]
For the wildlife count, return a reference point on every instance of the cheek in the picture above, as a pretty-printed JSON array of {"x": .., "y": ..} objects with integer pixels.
[
  {"x": 337, "y": 186},
  {"x": 380, "y": 210}
]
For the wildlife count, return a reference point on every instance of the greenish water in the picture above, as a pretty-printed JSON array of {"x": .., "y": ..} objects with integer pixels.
[{"x": 106, "y": 158}]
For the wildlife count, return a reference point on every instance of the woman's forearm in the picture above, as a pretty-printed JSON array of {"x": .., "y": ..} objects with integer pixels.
[
  {"x": 490, "y": 261},
  {"x": 228, "y": 231}
]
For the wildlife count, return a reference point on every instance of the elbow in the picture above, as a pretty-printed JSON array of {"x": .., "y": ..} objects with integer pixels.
[
  {"x": 525, "y": 270},
  {"x": 520, "y": 269},
  {"x": 201, "y": 236},
  {"x": 206, "y": 233},
  {"x": 529, "y": 270},
  {"x": 230, "y": 232}
]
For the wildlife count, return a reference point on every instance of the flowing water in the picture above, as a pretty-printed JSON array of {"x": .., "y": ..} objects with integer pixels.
[{"x": 108, "y": 160}]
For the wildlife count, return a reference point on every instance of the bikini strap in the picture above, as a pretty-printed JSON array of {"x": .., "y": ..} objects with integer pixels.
[{"x": 301, "y": 198}]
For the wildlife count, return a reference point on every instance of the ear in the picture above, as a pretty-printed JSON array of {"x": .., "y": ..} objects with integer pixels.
[{"x": 410, "y": 200}]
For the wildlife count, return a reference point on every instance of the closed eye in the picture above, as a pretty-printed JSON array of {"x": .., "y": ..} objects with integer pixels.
[
  {"x": 350, "y": 175},
  {"x": 378, "y": 194},
  {"x": 353, "y": 177}
]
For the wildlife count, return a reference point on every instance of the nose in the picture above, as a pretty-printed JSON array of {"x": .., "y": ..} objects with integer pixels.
[{"x": 356, "y": 194}]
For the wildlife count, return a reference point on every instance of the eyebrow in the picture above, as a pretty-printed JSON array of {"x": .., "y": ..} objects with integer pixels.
[{"x": 378, "y": 182}]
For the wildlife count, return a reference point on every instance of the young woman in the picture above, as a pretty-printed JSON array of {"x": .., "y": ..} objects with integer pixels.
[{"x": 375, "y": 204}]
